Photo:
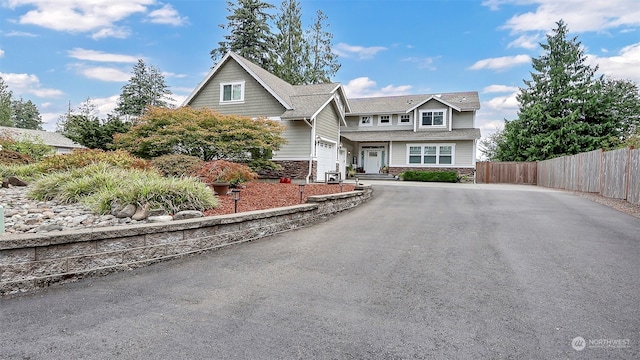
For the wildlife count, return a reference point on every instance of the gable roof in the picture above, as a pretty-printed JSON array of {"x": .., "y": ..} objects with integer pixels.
[
  {"x": 299, "y": 101},
  {"x": 461, "y": 101},
  {"x": 54, "y": 139}
]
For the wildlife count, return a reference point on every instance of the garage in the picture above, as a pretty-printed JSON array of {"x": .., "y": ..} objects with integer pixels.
[{"x": 326, "y": 158}]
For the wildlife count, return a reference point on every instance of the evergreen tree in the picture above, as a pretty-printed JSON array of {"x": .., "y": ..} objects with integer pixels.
[
  {"x": 25, "y": 115},
  {"x": 323, "y": 62},
  {"x": 145, "y": 88},
  {"x": 563, "y": 109},
  {"x": 291, "y": 53},
  {"x": 250, "y": 35},
  {"x": 84, "y": 127},
  {"x": 5, "y": 104}
]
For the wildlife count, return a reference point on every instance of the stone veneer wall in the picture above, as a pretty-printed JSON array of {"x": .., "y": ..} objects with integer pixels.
[
  {"x": 460, "y": 171},
  {"x": 30, "y": 261},
  {"x": 293, "y": 169}
]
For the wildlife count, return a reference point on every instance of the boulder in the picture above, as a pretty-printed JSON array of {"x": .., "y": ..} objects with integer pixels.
[
  {"x": 127, "y": 211},
  {"x": 157, "y": 212},
  {"x": 16, "y": 181},
  {"x": 142, "y": 212},
  {"x": 158, "y": 219},
  {"x": 187, "y": 214}
]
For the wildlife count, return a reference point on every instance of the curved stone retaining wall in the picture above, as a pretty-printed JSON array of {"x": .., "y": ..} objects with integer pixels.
[{"x": 30, "y": 261}]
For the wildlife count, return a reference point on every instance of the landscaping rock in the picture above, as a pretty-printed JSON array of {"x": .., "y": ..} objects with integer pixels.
[
  {"x": 142, "y": 212},
  {"x": 127, "y": 212},
  {"x": 15, "y": 181},
  {"x": 187, "y": 214},
  {"x": 158, "y": 219},
  {"x": 157, "y": 212}
]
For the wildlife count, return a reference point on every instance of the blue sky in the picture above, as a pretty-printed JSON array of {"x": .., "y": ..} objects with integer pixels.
[{"x": 53, "y": 52}]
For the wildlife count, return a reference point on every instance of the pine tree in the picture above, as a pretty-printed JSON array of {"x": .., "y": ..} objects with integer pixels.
[
  {"x": 250, "y": 35},
  {"x": 145, "y": 88},
  {"x": 25, "y": 115},
  {"x": 291, "y": 52},
  {"x": 563, "y": 109},
  {"x": 5, "y": 104},
  {"x": 324, "y": 63}
]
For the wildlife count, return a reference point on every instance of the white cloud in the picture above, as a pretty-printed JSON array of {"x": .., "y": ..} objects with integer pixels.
[
  {"x": 361, "y": 52},
  {"x": 500, "y": 63},
  {"x": 500, "y": 89},
  {"x": 1, "y": 53},
  {"x": 625, "y": 65},
  {"x": 22, "y": 84},
  {"x": 591, "y": 16},
  {"x": 167, "y": 15},
  {"x": 105, "y": 74},
  {"x": 423, "y": 63},
  {"x": 50, "y": 120},
  {"x": 93, "y": 55},
  {"x": 105, "y": 105},
  {"x": 167, "y": 74},
  {"x": 99, "y": 17},
  {"x": 20, "y": 33},
  {"x": 113, "y": 32},
  {"x": 526, "y": 41},
  {"x": 365, "y": 87},
  {"x": 507, "y": 102}
]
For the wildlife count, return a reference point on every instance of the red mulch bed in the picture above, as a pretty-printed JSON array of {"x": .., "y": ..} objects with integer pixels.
[{"x": 260, "y": 195}]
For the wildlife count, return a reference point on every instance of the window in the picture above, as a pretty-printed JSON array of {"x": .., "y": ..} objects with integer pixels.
[
  {"x": 365, "y": 121},
  {"x": 405, "y": 119},
  {"x": 430, "y": 154},
  {"x": 384, "y": 120},
  {"x": 432, "y": 118},
  {"x": 232, "y": 92}
]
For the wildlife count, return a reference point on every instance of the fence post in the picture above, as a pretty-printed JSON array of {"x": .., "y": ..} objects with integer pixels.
[
  {"x": 600, "y": 169},
  {"x": 487, "y": 173},
  {"x": 628, "y": 174}
]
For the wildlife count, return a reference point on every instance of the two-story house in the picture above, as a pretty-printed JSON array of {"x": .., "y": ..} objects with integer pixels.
[
  {"x": 412, "y": 132},
  {"x": 325, "y": 131}
]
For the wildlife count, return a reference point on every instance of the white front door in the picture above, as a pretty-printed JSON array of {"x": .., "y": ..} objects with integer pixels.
[
  {"x": 372, "y": 161},
  {"x": 343, "y": 163}
]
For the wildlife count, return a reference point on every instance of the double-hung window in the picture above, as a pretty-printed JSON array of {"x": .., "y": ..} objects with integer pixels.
[
  {"x": 430, "y": 154},
  {"x": 232, "y": 92},
  {"x": 433, "y": 118}
]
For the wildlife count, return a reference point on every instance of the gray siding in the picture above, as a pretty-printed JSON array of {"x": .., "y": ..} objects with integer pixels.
[
  {"x": 298, "y": 135},
  {"x": 463, "y": 150},
  {"x": 462, "y": 120},
  {"x": 327, "y": 123},
  {"x": 432, "y": 105},
  {"x": 353, "y": 123},
  {"x": 257, "y": 101}
]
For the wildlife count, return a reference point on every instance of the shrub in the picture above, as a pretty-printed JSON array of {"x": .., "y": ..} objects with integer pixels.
[
  {"x": 224, "y": 171},
  {"x": 430, "y": 176},
  {"x": 10, "y": 157},
  {"x": 82, "y": 157},
  {"x": 33, "y": 147},
  {"x": 25, "y": 172},
  {"x": 100, "y": 186},
  {"x": 176, "y": 165}
]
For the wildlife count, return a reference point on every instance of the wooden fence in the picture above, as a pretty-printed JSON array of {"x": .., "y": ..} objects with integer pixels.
[
  {"x": 506, "y": 172},
  {"x": 614, "y": 174}
]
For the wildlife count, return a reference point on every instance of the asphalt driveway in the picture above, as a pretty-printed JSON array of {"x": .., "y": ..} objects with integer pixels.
[{"x": 433, "y": 271}]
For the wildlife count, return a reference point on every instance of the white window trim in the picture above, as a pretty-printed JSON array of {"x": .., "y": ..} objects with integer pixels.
[
  {"x": 409, "y": 123},
  {"x": 437, "y": 164},
  {"x": 232, "y": 83},
  {"x": 380, "y": 123},
  {"x": 370, "y": 122},
  {"x": 445, "y": 116}
]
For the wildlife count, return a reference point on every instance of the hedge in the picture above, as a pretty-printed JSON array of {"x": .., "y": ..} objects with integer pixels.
[{"x": 430, "y": 176}]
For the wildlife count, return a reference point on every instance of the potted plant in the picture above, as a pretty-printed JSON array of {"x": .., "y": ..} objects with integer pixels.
[
  {"x": 351, "y": 171},
  {"x": 384, "y": 170},
  {"x": 222, "y": 174}
]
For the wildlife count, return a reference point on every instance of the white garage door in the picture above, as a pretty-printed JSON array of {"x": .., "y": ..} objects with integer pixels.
[{"x": 326, "y": 159}]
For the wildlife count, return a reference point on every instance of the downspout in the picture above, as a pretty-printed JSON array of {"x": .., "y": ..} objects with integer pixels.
[{"x": 313, "y": 139}]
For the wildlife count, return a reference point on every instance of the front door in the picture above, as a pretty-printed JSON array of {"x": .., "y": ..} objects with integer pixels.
[{"x": 372, "y": 161}]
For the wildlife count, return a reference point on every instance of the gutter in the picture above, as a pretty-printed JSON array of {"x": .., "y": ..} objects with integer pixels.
[{"x": 313, "y": 137}]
